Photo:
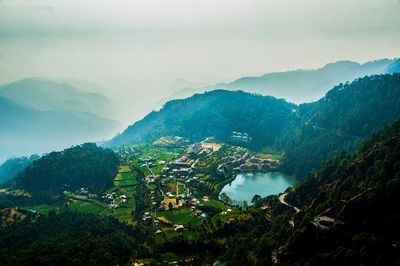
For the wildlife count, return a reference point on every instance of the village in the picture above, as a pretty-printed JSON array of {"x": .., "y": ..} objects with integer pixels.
[{"x": 189, "y": 183}]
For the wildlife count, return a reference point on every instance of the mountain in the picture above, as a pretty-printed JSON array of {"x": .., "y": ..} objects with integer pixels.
[
  {"x": 25, "y": 130},
  {"x": 394, "y": 67},
  {"x": 308, "y": 134},
  {"x": 351, "y": 208},
  {"x": 345, "y": 214},
  {"x": 85, "y": 165},
  {"x": 341, "y": 120},
  {"x": 298, "y": 86},
  {"x": 216, "y": 113},
  {"x": 45, "y": 95},
  {"x": 13, "y": 166}
]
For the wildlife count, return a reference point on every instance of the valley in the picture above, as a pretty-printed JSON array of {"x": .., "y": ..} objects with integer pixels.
[
  {"x": 199, "y": 133},
  {"x": 171, "y": 186}
]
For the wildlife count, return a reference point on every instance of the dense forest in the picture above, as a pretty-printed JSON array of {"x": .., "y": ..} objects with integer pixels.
[
  {"x": 85, "y": 165},
  {"x": 340, "y": 121},
  {"x": 216, "y": 113},
  {"x": 69, "y": 238},
  {"x": 361, "y": 194},
  {"x": 308, "y": 134},
  {"x": 349, "y": 212}
]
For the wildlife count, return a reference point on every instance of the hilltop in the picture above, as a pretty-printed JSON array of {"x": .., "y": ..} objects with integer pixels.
[{"x": 308, "y": 134}]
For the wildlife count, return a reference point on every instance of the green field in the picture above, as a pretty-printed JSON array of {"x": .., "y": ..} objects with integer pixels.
[
  {"x": 125, "y": 179},
  {"x": 181, "y": 189},
  {"x": 180, "y": 216},
  {"x": 88, "y": 206},
  {"x": 43, "y": 208}
]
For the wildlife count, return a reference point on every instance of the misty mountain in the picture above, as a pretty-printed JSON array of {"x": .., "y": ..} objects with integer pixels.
[
  {"x": 298, "y": 86},
  {"x": 309, "y": 134},
  {"x": 13, "y": 166},
  {"x": 25, "y": 130},
  {"x": 338, "y": 122},
  {"x": 394, "y": 67},
  {"x": 46, "y": 95}
]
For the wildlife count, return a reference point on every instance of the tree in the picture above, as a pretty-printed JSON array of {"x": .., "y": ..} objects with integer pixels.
[
  {"x": 225, "y": 198},
  {"x": 257, "y": 200},
  {"x": 245, "y": 205}
]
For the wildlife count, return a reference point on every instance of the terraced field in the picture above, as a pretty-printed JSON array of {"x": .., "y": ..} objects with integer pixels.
[{"x": 124, "y": 184}]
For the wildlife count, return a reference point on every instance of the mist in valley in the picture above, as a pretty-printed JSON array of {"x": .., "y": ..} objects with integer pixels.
[{"x": 129, "y": 57}]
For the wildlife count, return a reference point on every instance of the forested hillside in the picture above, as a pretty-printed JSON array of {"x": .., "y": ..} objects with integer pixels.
[
  {"x": 338, "y": 122},
  {"x": 76, "y": 239},
  {"x": 216, "y": 114},
  {"x": 307, "y": 134},
  {"x": 346, "y": 214},
  {"x": 85, "y": 166},
  {"x": 360, "y": 196}
]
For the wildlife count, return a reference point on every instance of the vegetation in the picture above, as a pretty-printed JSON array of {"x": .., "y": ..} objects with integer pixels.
[
  {"x": 345, "y": 213},
  {"x": 341, "y": 120},
  {"x": 69, "y": 239},
  {"x": 13, "y": 166},
  {"x": 217, "y": 113},
  {"x": 85, "y": 166},
  {"x": 307, "y": 134}
]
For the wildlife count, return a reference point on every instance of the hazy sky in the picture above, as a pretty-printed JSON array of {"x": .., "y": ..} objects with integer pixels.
[{"x": 137, "y": 48}]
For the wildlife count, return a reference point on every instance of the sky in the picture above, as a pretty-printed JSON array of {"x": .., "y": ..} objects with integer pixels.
[{"x": 136, "y": 49}]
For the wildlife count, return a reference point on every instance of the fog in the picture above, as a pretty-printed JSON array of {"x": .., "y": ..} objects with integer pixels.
[{"x": 136, "y": 49}]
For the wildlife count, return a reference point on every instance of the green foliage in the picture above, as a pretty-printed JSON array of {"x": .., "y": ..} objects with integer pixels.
[
  {"x": 86, "y": 166},
  {"x": 216, "y": 113},
  {"x": 308, "y": 134},
  {"x": 340, "y": 121},
  {"x": 362, "y": 192},
  {"x": 67, "y": 239}
]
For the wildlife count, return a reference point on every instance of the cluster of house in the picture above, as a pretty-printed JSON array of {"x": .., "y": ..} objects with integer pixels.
[
  {"x": 180, "y": 168},
  {"x": 240, "y": 137},
  {"x": 178, "y": 227},
  {"x": 195, "y": 203},
  {"x": 111, "y": 197},
  {"x": 226, "y": 212},
  {"x": 248, "y": 163},
  {"x": 147, "y": 216},
  {"x": 82, "y": 191},
  {"x": 195, "y": 148}
]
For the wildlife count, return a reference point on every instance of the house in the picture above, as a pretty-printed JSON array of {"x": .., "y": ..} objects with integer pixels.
[{"x": 203, "y": 216}]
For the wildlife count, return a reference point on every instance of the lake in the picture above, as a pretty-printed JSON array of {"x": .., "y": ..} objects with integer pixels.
[{"x": 245, "y": 186}]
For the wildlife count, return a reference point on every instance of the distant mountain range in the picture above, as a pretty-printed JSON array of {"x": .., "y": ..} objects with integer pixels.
[
  {"x": 298, "y": 86},
  {"x": 308, "y": 133},
  {"x": 39, "y": 116},
  {"x": 46, "y": 95}
]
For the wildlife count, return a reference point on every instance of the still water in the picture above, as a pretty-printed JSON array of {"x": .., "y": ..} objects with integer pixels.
[{"x": 245, "y": 186}]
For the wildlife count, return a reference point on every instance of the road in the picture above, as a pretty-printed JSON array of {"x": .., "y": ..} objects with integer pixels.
[{"x": 282, "y": 201}]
